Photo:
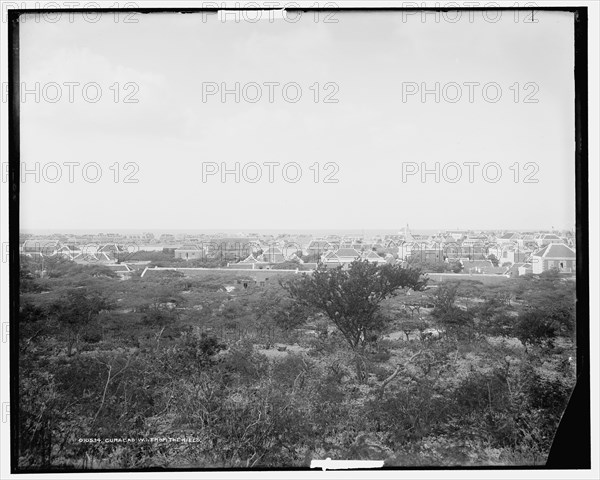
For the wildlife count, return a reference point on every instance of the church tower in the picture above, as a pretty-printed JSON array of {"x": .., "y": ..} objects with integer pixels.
[{"x": 407, "y": 235}]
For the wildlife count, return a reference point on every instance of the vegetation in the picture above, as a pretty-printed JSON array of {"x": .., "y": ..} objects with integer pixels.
[
  {"x": 218, "y": 371},
  {"x": 352, "y": 299},
  {"x": 435, "y": 267}
]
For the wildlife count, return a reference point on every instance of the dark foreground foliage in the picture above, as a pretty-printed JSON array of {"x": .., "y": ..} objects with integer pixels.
[{"x": 116, "y": 374}]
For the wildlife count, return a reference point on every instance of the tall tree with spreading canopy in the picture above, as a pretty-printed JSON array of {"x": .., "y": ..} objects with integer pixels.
[{"x": 351, "y": 298}]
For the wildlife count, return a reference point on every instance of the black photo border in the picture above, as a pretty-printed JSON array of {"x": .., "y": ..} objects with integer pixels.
[{"x": 571, "y": 448}]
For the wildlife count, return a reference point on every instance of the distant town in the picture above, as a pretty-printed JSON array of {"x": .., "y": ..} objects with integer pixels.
[{"x": 492, "y": 255}]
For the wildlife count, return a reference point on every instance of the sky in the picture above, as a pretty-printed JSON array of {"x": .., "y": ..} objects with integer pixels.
[{"x": 355, "y": 161}]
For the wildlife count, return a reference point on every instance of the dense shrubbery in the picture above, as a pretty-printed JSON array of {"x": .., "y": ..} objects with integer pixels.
[
  {"x": 450, "y": 266},
  {"x": 486, "y": 386}
]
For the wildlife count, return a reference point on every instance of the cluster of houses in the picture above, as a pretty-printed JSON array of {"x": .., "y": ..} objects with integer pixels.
[
  {"x": 342, "y": 256},
  {"x": 109, "y": 254},
  {"x": 106, "y": 252},
  {"x": 499, "y": 253},
  {"x": 100, "y": 237}
]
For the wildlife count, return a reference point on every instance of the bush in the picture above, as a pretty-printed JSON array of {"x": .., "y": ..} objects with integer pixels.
[{"x": 92, "y": 336}]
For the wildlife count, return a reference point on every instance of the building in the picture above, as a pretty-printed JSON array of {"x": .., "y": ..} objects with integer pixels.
[
  {"x": 527, "y": 240},
  {"x": 110, "y": 252},
  {"x": 372, "y": 256},
  {"x": 547, "y": 239},
  {"x": 249, "y": 260},
  {"x": 344, "y": 256},
  {"x": 555, "y": 255},
  {"x": 189, "y": 252},
  {"x": 273, "y": 254},
  {"x": 525, "y": 269},
  {"x": 457, "y": 234},
  {"x": 513, "y": 255},
  {"x": 318, "y": 247},
  {"x": 474, "y": 240},
  {"x": 230, "y": 248},
  {"x": 347, "y": 255},
  {"x": 40, "y": 248},
  {"x": 508, "y": 238},
  {"x": 426, "y": 255},
  {"x": 483, "y": 267}
]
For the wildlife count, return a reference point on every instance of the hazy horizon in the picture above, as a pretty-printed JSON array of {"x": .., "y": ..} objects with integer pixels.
[{"x": 280, "y": 231}]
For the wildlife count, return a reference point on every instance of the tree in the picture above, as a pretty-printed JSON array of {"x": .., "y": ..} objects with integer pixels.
[
  {"x": 444, "y": 298},
  {"x": 457, "y": 267},
  {"x": 503, "y": 293},
  {"x": 311, "y": 258},
  {"x": 428, "y": 266},
  {"x": 275, "y": 307},
  {"x": 494, "y": 318},
  {"x": 27, "y": 274},
  {"x": 492, "y": 258},
  {"x": 535, "y": 328},
  {"x": 467, "y": 292},
  {"x": 351, "y": 298},
  {"x": 207, "y": 262},
  {"x": 288, "y": 265},
  {"x": 549, "y": 298},
  {"x": 455, "y": 320}
]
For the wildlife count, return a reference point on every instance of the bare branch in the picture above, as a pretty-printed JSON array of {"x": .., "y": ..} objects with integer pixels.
[
  {"x": 396, "y": 372},
  {"x": 103, "y": 394}
]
